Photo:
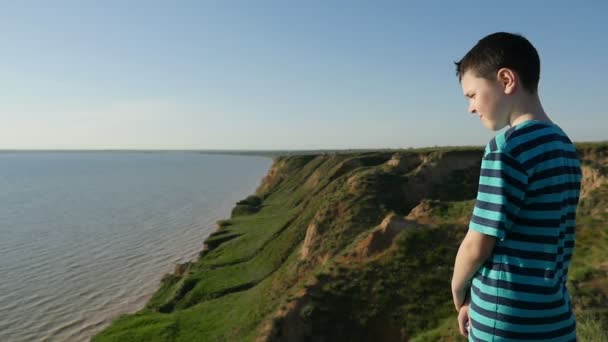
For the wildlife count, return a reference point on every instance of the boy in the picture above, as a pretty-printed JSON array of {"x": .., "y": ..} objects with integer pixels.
[{"x": 510, "y": 272}]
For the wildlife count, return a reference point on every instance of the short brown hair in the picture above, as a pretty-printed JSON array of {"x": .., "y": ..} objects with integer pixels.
[{"x": 503, "y": 50}]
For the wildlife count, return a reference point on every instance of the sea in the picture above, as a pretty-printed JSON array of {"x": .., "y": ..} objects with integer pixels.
[{"x": 87, "y": 236}]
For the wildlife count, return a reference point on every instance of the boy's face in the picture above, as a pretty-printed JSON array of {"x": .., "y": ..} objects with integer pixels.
[{"x": 486, "y": 99}]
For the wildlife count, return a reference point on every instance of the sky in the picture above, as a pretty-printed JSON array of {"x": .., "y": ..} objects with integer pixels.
[{"x": 265, "y": 75}]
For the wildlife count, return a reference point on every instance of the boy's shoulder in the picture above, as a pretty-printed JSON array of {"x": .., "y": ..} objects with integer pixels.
[
  {"x": 516, "y": 139},
  {"x": 501, "y": 143}
]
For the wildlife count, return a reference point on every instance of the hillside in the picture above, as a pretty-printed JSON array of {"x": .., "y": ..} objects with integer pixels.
[{"x": 354, "y": 247}]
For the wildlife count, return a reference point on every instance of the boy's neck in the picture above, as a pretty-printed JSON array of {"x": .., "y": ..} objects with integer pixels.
[{"x": 529, "y": 108}]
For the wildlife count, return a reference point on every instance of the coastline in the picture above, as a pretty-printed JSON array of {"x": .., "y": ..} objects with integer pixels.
[
  {"x": 179, "y": 269},
  {"x": 98, "y": 233}
]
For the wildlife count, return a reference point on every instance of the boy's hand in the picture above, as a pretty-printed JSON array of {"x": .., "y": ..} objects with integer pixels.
[{"x": 464, "y": 320}]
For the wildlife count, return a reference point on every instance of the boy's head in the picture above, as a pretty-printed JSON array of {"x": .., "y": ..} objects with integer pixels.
[{"x": 500, "y": 71}]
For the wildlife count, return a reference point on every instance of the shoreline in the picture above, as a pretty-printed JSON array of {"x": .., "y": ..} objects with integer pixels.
[{"x": 120, "y": 250}]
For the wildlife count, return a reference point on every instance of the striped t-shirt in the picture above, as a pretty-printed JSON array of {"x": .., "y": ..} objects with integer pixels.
[{"x": 528, "y": 193}]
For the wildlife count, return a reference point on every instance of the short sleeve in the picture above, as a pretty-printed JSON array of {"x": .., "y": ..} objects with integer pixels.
[{"x": 500, "y": 195}]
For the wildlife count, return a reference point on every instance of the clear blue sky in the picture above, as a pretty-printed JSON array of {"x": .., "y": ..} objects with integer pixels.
[{"x": 281, "y": 74}]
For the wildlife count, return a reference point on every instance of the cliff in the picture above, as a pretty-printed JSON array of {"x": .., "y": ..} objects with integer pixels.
[{"x": 353, "y": 247}]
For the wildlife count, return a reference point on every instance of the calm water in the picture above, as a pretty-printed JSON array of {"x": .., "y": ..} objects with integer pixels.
[{"x": 85, "y": 237}]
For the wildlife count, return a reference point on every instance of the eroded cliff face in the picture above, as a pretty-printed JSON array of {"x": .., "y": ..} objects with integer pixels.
[
  {"x": 344, "y": 247},
  {"x": 404, "y": 188},
  {"x": 594, "y": 165}
]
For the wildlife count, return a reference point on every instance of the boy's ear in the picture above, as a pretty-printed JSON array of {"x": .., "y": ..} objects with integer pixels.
[{"x": 506, "y": 77}]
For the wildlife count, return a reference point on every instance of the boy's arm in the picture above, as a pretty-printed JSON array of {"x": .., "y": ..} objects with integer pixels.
[{"x": 473, "y": 251}]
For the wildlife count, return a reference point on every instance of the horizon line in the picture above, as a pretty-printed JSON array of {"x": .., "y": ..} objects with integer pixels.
[{"x": 254, "y": 150}]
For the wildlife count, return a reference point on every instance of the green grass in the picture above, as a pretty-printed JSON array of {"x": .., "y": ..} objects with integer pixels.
[
  {"x": 446, "y": 330},
  {"x": 589, "y": 328}
]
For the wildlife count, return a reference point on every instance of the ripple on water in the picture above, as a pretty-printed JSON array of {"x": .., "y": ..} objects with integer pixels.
[{"x": 93, "y": 234}]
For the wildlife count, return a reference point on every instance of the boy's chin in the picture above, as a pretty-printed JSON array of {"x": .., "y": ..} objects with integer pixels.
[{"x": 491, "y": 124}]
